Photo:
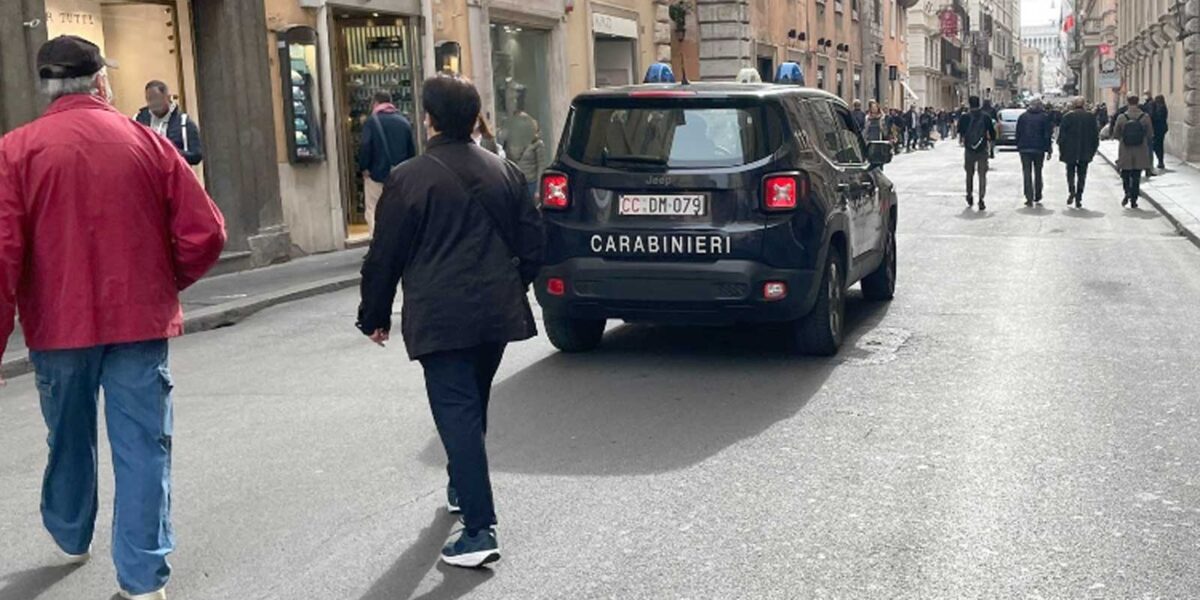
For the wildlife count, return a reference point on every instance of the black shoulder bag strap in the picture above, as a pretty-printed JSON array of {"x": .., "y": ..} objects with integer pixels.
[
  {"x": 495, "y": 222},
  {"x": 382, "y": 138}
]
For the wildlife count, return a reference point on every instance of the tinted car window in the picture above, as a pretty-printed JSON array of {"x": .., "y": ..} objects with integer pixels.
[
  {"x": 678, "y": 135},
  {"x": 835, "y": 135}
]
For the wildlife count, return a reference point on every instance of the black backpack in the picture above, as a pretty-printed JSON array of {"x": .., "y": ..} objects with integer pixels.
[
  {"x": 977, "y": 131},
  {"x": 1134, "y": 133}
]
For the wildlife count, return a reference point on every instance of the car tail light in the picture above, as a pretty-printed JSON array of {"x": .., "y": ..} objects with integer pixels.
[
  {"x": 555, "y": 194},
  {"x": 784, "y": 192},
  {"x": 774, "y": 290},
  {"x": 556, "y": 286}
]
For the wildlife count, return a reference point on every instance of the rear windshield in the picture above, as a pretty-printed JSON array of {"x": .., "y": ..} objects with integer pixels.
[
  {"x": 1010, "y": 115},
  {"x": 675, "y": 135}
]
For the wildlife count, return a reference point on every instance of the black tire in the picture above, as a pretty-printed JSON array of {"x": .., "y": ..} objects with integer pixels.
[
  {"x": 880, "y": 286},
  {"x": 574, "y": 335},
  {"x": 820, "y": 332}
]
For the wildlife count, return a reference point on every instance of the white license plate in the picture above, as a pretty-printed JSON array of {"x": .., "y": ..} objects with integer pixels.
[{"x": 671, "y": 205}]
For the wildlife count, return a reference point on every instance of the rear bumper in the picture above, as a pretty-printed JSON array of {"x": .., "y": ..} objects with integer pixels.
[{"x": 708, "y": 293}]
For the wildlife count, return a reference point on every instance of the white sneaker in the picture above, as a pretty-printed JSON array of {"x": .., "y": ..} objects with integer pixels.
[
  {"x": 161, "y": 594},
  {"x": 78, "y": 559}
]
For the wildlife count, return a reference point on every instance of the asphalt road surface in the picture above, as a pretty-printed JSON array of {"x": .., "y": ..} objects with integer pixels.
[{"x": 1021, "y": 422}]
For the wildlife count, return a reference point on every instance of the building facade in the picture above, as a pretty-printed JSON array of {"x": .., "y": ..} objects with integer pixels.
[
  {"x": 1158, "y": 51},
  {"x": 938, "y": 53},
  {"x": 994, "y": 42},
  {"x": 1047, "y": 39},
  {"x": 843, "y": 46},
  {"x": 1032, "y": 80}
]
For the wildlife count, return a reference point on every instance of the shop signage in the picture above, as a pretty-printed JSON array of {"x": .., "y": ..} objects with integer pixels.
[
  {"x": 390, "y": 42},
  {"x": 948, "y": 20},
  {"x": 1109, "y": 78},
  {"x": 603, "y": 24}
]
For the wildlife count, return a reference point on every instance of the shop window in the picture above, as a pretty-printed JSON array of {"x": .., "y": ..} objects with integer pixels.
[
  {"x": 522, "y": 95},
  {"x": 301, "y": 95}
]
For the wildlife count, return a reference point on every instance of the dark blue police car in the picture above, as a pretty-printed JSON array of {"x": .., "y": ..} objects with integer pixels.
[{"x": 714, "y": 204}]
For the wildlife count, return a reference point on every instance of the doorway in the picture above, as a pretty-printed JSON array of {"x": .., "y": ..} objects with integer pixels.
[{"x": 371, "y": 53}]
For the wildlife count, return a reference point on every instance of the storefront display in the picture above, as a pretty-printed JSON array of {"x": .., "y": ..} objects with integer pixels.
[
  {"x": 522, "y": 93},
  {"x": 301, "y": 95},
  {"x": 375, "y": 54}
]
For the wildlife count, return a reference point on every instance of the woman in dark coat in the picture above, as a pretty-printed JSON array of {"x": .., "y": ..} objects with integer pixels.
[
  {"x": 1161, "y": 117},
  {"x": 1078, "y": 140}
]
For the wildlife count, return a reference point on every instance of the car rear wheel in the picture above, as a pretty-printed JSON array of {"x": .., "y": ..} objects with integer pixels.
[
  {"x": 574, "y": 335},
  {"x": 880, "y": 286},
  {"x": 820, "y": 332}
]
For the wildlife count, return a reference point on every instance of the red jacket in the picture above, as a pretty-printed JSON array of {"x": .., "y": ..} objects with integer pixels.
[{"x": 102, "y": 223}]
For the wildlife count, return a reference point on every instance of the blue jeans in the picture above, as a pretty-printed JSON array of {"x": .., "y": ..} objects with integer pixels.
[{"x": 137, "y": 409}]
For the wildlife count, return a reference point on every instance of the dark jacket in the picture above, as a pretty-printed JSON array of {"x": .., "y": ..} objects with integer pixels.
[
  {"x": 1035, "y": 132},
  {"x": 860, "y": 118},
  {"x": 1078, "y": 137},
  {"x": 387, "y": 140},
  {"x": 182, "y": 132},
  {"x": 1161, "y": 118},
  {"x": 964, "y": 128},
  {"x": 461, "y": 286}
]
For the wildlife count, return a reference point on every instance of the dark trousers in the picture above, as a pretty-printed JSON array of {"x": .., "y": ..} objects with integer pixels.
[
  {"x": 1160, "y": 149},
  {"x": 1031, "y": 165},
  {"x": 1133, "y": 184},
  {"x": 459, "y": 384},
  {"x": 1077, "y": 179},
  {"x": 976, "y": 162}
]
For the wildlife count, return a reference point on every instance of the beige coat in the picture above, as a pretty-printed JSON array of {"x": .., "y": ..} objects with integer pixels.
[{"x": 1134, "y": 158}]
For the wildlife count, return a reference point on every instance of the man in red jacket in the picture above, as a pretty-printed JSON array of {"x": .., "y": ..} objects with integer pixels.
[{"x": 102, "y": 223}]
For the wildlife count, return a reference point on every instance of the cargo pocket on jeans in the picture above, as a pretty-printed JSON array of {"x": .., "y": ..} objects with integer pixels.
[{"x": 166, "y": 409}]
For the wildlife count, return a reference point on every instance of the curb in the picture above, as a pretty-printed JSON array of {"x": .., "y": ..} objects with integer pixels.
[
  {"x": 226, "y": 314},
  {"x": 1180, "y": 227}
]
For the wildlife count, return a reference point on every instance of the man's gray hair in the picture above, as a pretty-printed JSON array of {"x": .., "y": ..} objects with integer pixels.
[
  {"x": 1079, "y": 102},
  {"x": 57, "y": 88}
]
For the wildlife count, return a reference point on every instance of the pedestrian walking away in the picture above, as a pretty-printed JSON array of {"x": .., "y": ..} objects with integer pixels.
[
  {"x": 876, "y": 127},
  {"x": 1078, "y": 141},
  {"x": 163, "y": 115},
  {"x": 1035, "y": 133},
  {"x": 387, "y": 141},
  {"x": 102, "y": 224},
  {"x": 977, "y": 130},
  {"x": 860, "y": 117},
  {"x": 1160, "y": 117},
  {"x": 1134, "y": 130},
  {"x": 994, "y": 114},
  {"x": 458, "y": 213}
]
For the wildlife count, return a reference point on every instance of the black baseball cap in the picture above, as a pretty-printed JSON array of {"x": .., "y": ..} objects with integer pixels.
[{"x": 69, "y": 56}]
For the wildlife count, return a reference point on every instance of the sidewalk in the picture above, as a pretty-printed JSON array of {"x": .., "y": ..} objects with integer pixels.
[
  {"x": 227, "y": 299},
  {"x": 1173, "y": 193}
]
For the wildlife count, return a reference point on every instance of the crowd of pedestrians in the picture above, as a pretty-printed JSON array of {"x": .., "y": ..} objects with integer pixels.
[{"x": 1140, "y": 128}]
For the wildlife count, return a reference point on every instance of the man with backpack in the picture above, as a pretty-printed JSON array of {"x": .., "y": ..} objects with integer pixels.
[
  {"x": 1134, "y": 129},
  {"x": 387, "y": 140},
  {"x": 977, "y": 130}
]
